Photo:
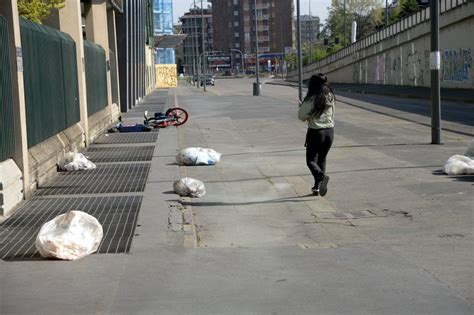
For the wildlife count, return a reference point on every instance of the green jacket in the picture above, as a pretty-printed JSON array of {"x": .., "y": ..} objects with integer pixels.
[{"x": 326, "y": 120}]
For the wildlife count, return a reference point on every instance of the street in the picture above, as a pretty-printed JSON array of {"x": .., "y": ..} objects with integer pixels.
[{"x": 392, "y": 236}]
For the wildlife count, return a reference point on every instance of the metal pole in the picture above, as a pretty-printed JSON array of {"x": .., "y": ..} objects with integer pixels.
[
  {"x": 203, "y": 50},
  {"x": 196, "y": 48},
  {"x": 256, "y": 88},
  {"x": 344, "y": 16},
  {"x": 191, "y": 31},
  {"x": 242, "y": 60},
  {"x": 435, "y": 65},
  {"x": 386, "y": 12},
  {"x": 298, "y": 48}
]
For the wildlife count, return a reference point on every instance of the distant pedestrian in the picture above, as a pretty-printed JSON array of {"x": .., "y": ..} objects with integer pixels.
[{"x": 317, "y": 109}]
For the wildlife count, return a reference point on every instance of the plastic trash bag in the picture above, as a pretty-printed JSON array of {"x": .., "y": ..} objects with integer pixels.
[
  {"x": 69, "y": 236},
  {"x": 470, "y": 150},
  {"x": 198, "y": 156},
  {"x": 458, "y": 165},
  {"x": 189, "y": 187},
  {"x": 74, "y": 161}
]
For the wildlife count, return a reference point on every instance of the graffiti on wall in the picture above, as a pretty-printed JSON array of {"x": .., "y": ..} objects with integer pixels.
[
  {"x": 457, "y": 64},
  {"x": 380, "y": 69},
  {"x": 166, "y": 76},
  {"x": 413, "y": 65}
]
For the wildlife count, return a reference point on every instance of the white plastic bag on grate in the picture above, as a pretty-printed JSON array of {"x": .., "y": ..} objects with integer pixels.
[
  {"x": 189, "y": 187},
  {"x": 74, "y": 161},
  {"x": 198, "y": 156},
  {"x": 459, "y": 165},
  {"x": 69, "y": 236}
]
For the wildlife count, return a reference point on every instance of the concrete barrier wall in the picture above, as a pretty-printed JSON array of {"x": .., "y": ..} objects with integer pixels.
[{"x": 399, "y": 54}]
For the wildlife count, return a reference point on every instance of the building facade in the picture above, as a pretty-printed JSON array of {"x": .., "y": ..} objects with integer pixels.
[
  {"x": 309, "y": 28},
  {"x": 234, "y": 27},
  {"x": 191, "y": 23},
  {"x": 135, "y": 52},
  {"x": 163, "y": 25}
]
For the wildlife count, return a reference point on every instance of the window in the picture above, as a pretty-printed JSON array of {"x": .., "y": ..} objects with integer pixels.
[
  {"x": 236, "y": 13},
  {"x": 237, "y": 45},
  {"x": 236, "y": 23},
  {"x": 236, "y": 34}
]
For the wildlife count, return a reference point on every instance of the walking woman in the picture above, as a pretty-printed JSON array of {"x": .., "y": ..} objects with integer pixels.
[{"x": 317, "y": 109}]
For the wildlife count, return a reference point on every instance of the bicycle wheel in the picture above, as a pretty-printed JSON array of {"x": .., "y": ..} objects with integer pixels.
[{"x": 179, "y": 114}]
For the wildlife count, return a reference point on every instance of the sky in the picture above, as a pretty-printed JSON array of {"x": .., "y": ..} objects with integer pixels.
[{"x": 318, "y": 8}]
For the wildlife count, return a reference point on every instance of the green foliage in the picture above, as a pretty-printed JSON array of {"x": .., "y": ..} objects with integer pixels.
[
  {"x": 407, "y": 7},
  {"x": 333, "y": 49},
  {"x": 38, "y": 10},
  {"x": 367, "y": 14}
]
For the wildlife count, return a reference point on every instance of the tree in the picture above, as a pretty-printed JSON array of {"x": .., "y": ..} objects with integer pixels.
[
  {"x": 38, "y": 10},
  {"x": 367, "y": 14},
  {"x": 407, "y": 7}
]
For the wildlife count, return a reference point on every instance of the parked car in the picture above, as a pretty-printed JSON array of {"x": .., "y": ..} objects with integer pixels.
[{"x": 209, "y": 80}]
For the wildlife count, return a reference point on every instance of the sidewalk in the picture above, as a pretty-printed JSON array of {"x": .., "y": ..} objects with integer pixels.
[
  {"x": 391, "y": 236},
  {"x": 463, "y": 95}
]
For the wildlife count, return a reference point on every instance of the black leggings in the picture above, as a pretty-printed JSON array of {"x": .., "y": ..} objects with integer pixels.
[{"x": 318, "y": 143}]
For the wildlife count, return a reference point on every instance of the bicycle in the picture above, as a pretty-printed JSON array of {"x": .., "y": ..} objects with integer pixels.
[{"x": 173, "y": 117}]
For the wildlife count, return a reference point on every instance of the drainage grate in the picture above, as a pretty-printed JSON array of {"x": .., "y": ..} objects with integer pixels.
[
  {"x": 119, "y": 154},
  {"x": 129, "y": 137},
  {"x": 106, "y": 178},
  {"x": 118, "y": 216},
  {"x": 349, "y": 215}
]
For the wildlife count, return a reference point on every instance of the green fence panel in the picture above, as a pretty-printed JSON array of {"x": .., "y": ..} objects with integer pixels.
[
  {"x": 113, "y": 77},
  {"x": 96, "y": 77},
  {"x": 7, "y": 135},
  {"x": 50, "y": 78}
]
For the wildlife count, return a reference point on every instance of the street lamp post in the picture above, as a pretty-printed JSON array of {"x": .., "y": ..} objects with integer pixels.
[
  {"x": 242, "y": 59},
  {"x": 203, "y": 49},
  {"x": 298, "y": 47},
  {"x": 256, "y": 85},
  {"x": 191, "y": 31},
  {"x": 435, "y": 65},
  {"x": 196, "y": 41}
]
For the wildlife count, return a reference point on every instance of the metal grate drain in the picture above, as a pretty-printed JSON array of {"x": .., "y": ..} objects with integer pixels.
[
  {"x": 112, "y": 178},
  {"x": 349, "y": 215},
  {"x": 119, "y": 154},
  {"x": 129, "y": 137},
  {"x": 118, "y": 216}
]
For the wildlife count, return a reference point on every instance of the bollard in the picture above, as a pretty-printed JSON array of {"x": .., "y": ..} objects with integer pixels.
[{"x": 257, "y": 88}]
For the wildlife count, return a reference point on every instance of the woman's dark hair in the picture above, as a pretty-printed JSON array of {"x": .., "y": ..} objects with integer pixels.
[{"x": 319, "y": 89}]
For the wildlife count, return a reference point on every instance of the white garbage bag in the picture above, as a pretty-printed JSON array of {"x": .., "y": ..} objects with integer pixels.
[
  {"x": 69, "y": 236},
  {"x": 189, "y": 187},
  {"x": 74, "y": 161},
  {"x": 470, "y": 150},
  {"x": 198, "y": 156},
  {"x": 458, "y": 165}
]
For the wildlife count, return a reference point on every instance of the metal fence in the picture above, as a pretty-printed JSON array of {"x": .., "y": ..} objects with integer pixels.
[
  {"x": 50, "y": 78},
  {"x": 96, "y": 77},
  {"x": 7, "y": 136}
]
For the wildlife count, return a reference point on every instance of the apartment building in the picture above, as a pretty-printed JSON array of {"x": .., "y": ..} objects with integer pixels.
[
  {"x": 309, "y": 28},
  {"x": 191, "y": 23},
  {"x": 234, "y": 28}
]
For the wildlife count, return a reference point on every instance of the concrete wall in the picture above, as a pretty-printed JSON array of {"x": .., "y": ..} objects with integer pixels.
[{"x": 399, "y": 54}]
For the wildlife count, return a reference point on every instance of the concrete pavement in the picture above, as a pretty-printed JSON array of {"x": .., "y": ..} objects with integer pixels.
[{"x": 391, "y": 237}]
